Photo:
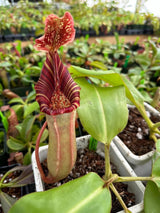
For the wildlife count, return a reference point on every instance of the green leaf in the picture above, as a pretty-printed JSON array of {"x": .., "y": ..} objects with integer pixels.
[
  {"x": 156, "y": 172},
  {"x": 158, "y": 145},
  {"x": 156, "y": 168},
  {"x": 98, "y": 65},
  {"x": 17, "y": 107},
  {"x": 155, "y": 156},
  {"x": 27, "y": 79},
  {"x": 154, "y": 48},
  {"x": 26, "y": 131},
  {"x": 143, "y": 61},
  {"x": 112, "y": 78},
  {"x": 31, "y": 96},
  {"x": 15, "y": 144},
  {"x": 117, "y": 55},
  {"x": 34, "y": 70},
  {"x": 103, "y": 111},
  {"x": 6, "y": 201},
  {"x": 43, "y": 137},
  {"x": 16, "y": 100},
  {"x": 27, "y": 159},
  {"x": 151, "y": 198},
  {"x": 39, "y": 32},
  {"x": 154, "y": 68},
  {"x": 5, "y": 64},
  {"x": 135, "y": 79},
  {"x": 134, "y": 71},
  {"x": 19, "y": 127},
  {"x": 31, "y": 108},
  {"x": 146, "y": 96},
  {"x": 14, "y": 77},
  {"x": 92, "y": 144},
  {"x": 1, "y": 88},
  {"x": 18, "y": 46},
  {"x": 78, "y": 196},
  {"x": 95, "y": 80},
  {"x": 4, "y": 121},
  {"x": 132, "y": 93}
]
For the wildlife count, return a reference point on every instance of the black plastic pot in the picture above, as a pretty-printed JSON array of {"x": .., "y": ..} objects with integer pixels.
[
  {"x": 122, "y": 31},
  {"x": 27, "y": 33},
  {"x": 15, "y": 1},
  {"x": 91, "y": 32},
  {"x": 13, "y": 37},
  {"x": 78, "y": 32},
  {"x": 24, "y": 34},
  {"x": 135, "y": 31},
  {"x": 4, "y": 169},
  {"x": 1, "y": 39},
  {"x": 148, "y": 30},
  {"x": 27, "y": 189}
]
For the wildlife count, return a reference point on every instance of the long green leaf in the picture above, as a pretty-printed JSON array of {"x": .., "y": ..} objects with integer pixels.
[
  {"x": 31, "y": 96},
  {"x": 112, "y": 78},
  {"x": 16, "y": 100},
  {"x": 17, "y": 107},
  {"x": 85, "y": 194},
  {"x": 5, "y": 64},
  {"x": 156, "y": 172},
  {"x": 154, "y": 48},
  {"x": 143, "y": 61},
  {"x": 43, "y": 138},
  {"x": 15, "y": 144},
  {"x": 4, "y": 121},
  {"x": 27, "y": 158},
  {"x": 152, "y": 198},
  {"x": 158, "y": 145},
  {"x": 155, "y": 68},
  {"x": 26, "y": 131},
  {"x": 98, "y": 65},
  {"x": 103, "y": 110},
  {"x": 31, "y": 108}
]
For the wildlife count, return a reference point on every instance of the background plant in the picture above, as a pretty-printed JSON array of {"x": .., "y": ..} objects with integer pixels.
[
  {"x": 30, "y": 16},
  {"x": 20, "y": 66},
  {"x": 25, "y": 141},
  {"x": 120, "y": 57}
]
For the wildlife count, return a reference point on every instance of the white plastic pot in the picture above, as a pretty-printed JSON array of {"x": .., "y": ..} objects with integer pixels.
[
  {"x": 123, "y": 168},
  {"x": 142, "y": 164}
]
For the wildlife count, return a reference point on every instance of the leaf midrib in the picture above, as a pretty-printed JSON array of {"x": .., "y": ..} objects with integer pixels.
[
  {"x": 87, "y": 199},
  {"x": 104, "y": 124}
]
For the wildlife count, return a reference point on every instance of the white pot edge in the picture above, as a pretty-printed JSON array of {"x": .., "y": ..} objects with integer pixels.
[
  {"x": 132, "y": 158},
  {"x": 137, "y": 187}
]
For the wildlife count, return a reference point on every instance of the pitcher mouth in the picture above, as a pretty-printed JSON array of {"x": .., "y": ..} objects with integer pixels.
[{"x": 56, "y": 92}]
